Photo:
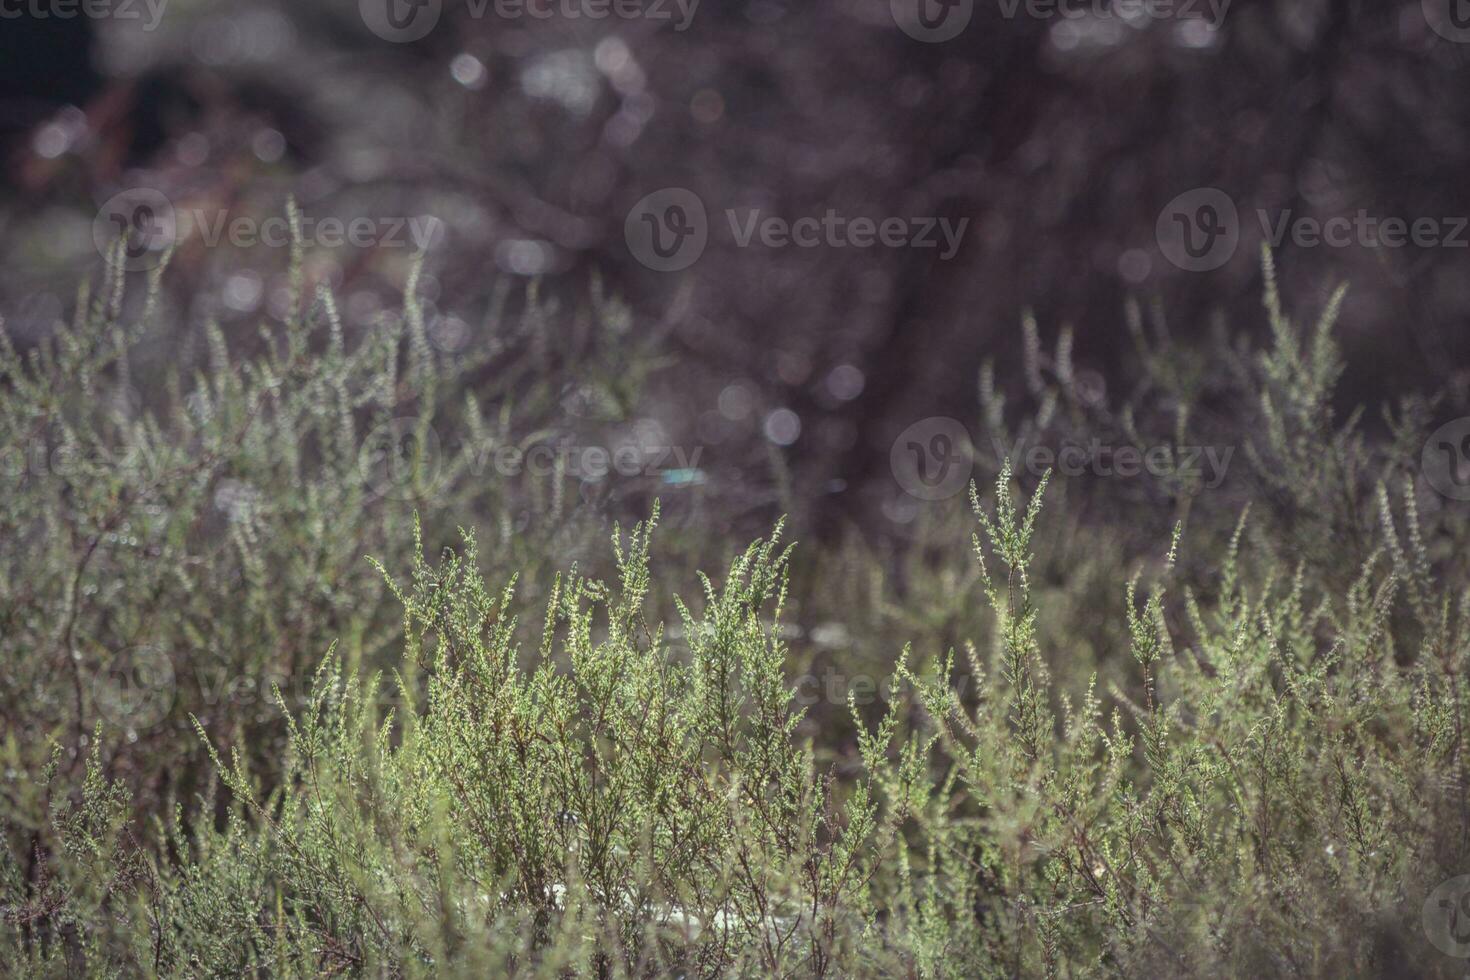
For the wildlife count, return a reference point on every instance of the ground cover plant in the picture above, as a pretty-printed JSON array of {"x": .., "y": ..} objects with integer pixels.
[{"x": 1168, "y": 730}]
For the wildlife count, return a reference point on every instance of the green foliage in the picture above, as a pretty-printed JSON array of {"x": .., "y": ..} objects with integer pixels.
[
  {"x": 228, "y": 506},
  {"x": 1233, "y": 750}
]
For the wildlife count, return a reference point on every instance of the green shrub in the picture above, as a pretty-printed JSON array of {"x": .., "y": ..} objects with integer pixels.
[
  {"x": 592, "y": 776},
  {"x": 232, "y": 510}
]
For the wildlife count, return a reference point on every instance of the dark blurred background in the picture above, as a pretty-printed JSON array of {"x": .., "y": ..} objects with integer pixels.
[{"x": 1062, "y": 131}]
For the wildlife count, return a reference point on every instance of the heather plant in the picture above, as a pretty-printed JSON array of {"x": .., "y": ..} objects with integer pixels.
[
  {"x": 1227, "y": 743},
  {"x": 154, "y": 511}
]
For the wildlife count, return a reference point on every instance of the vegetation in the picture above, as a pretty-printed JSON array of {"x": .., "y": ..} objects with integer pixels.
[{"x": 1235, "y": 747}]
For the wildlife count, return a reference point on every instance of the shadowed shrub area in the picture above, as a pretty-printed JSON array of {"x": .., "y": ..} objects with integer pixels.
[{"x": 308, "y": 672}]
